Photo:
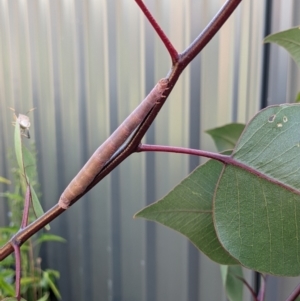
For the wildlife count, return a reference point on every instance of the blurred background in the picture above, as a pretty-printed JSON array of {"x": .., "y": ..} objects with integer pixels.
[{"x": 85, "y": 65}]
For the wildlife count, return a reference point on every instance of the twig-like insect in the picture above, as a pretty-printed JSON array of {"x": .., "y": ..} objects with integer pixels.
[
  {"x": 24, "y": 122},
  {"x": 94, "y": 165}
]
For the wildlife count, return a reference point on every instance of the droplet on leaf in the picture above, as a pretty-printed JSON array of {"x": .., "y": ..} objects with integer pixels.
[
  {"x": 284, "y": 119},
  {"x": 279, "y": 125}
]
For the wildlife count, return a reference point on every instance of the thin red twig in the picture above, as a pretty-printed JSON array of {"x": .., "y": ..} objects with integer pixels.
[
  {"x": 209, "y": 32},
  {"x": 171, "y": 49},
  {"x": 27, "y": 203},
  {"x": 248, "y": 286},
  {"x": 228, "y": 160},
  {"x": 262, "y": 291},
  {"x": 295, "y": 294},
  {"x": 18, "y": 270}
]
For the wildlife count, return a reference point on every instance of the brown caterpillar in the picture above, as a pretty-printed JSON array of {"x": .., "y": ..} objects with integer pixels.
[{"x": 94, "y": 165}]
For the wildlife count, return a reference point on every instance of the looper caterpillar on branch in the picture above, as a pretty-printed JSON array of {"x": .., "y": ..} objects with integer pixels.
[{"x": 94, "y": 165}]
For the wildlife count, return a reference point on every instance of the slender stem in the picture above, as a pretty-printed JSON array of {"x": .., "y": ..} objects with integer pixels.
[
  {"x": 295, "y": 294},
  {"x": 27, "y": 202},
  {"x": 172, "y": 51},
  {"x": 16, "y": 248},
  {"x": 209, "y": 32},
  {"x": 262, "y": 291},
  {"x": 249, "y": 287},
  {"x": 228, "y": 160},
  {"x": 183, "y": 150}
]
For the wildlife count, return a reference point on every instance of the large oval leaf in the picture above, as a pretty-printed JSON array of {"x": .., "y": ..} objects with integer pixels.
[
  {"x": 257, "y": 202},
  {"x": 188, "y": 210}
]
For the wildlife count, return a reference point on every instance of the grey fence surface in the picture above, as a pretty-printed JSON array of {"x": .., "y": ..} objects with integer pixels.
[{"x": 85, "y": 65}]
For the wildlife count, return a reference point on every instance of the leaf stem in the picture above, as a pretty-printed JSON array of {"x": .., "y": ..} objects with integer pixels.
[
  {"x": 169, "y": 46},
  {"x": 294, "y": 294},
  {"x": 249, "y": 287},
  {"x": 27, "y": 202},
  {"x": 182, "y": 150},
  {"x": 262, "y": 291},
  {"x": 209, "y": 32},
  {"x": 16, "y": 248}
]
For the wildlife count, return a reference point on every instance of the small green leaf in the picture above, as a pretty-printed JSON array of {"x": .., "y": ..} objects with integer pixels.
[
  {"x": 5, "y": 181},
  {"x": 225, "y": 137},
  {"x": 38, "y": 210},
  {"x": 7, "y": 262},
  {"x": 7, "y": 273},
  {"x": 29, "y": 280},
  {"x": 12, "y": 196},
  {"x": 297, "y": 97},
  {"x": 233, "y": 286},
  {"x": 289, "y": 39},
  {"x": 12, "y": 299},
  {"x": 44, "y": 298},
  {"x": 29, "y": 164},
  {"x": 49, "y": 237},
  {"x": 47, "y": 276},
  {"x": 188, "y": 210},
  {"x": 53, "y": 273},
  {"x": 8, "y": 289},
  {"x": 9, "y": 230}
]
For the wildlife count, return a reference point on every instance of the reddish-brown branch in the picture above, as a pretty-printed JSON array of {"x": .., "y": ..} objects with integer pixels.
[
  {"x": 171, "y": 49},
  {"x": 131, "y": 147},
  {"x": 209, "y": 32}
]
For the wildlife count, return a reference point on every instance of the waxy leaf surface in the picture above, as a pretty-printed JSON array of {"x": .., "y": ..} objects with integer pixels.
[
  {"x": 188, "y": 210},
  {"x": 257, "y": 201}
]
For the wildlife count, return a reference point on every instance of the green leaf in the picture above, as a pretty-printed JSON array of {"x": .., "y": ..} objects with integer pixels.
[
  {"x": 12, "y": 299},
  {"x": 297, "y": 97},
  {"x": 49, "y": 237},
  {"x": 29, "y": 164},
  {"x": 5, "y": 181},
  {"x": 6, "y": 288},
  {"x": 188, "y": 210},
  {"x": 257, "y": 201},
  {"x": 12, "y": 196},
  {"x": 45, "y": 297},
  {"x": 289, "y": 39},
  {"x": 233, "y": 286},
  {"x": 225, "y": 137},
  {"x": 27, "y": 281},
  {"x": 7, "y": 263},
  {"x": 18, "y": 146},
  {"x": 47, "y": 275},
  {"x": 9, "y": 230},
  {"x": 53, "y": 273},
  {"x": 37, "y": 207}
]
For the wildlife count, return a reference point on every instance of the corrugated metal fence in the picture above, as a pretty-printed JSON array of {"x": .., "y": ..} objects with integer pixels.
[{"x": 86, "y": 65}]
